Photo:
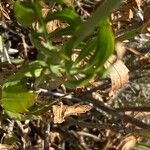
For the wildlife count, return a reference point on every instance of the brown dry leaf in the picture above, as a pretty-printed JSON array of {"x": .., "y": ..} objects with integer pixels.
[
  {"x": 61, "y": 111},
  {"x": 6, "y": 147},
  {"x": 130, "y": 14},
  {"x": 77, "y": 109},
  {"x": 55, "y": 24},
  {"x": 55, "y": 136},
  {"x": 119, "y": 75},
  {"x": 4, "y": 13},
  {"x": 120, "y": 49},
  {"x": 127, "y": 144},
  {"x": 139, "y": 3},
  {"x": 58, "y": 113},
  {"x": 51, "y": 25}
]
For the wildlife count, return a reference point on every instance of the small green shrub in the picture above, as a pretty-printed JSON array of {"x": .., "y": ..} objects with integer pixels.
[{"x": 56, "y": 60}]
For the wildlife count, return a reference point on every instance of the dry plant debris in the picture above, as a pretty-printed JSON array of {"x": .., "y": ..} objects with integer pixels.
[
  {"x": 119, "y": 75},
  {"x": 83, "y": 119},
  {"x": 62, "y": 111}
]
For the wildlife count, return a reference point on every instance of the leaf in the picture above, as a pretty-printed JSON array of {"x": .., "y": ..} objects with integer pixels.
[
  {"x": 119, "y": 75},
  {"x": 120, "y": 49},
  {"x": 34, "y": 69},
  {"x": 62, "y": 111},
  {"x": 15, "y": 96},
  {"x": 66, "y": 14},
  {"x": 86, "y": 28},
  {"x": 66, "y": 31},
  {"x": 42, "y": 49},
  {"x": 56, "y": 69},
  {"x": 105, "y": 42},
  {"x": 86, "y": 50},
  {"x": 15, "y": 115},
  {"x": 105, "y": 45},
  {"x": 24, "y": 13},
  {"x": 20, "y": 101},
  {"x": 80, "y": 82}
]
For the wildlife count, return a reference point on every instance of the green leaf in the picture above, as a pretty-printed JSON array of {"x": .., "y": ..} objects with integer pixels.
[
  {"x": 21, "y": 117},
  {"x": 17, "y": 102},
  {"x": 56, "y": 69},
  {"x": 105, "y": 42},
  {"x": 39, "y": 46},
  {"x": 25, "y": 13},
  {"x": 15, "y": 115},
  {"x": 86, "y": 50},
  {"x": 66, "y": 31},
  {"x": 34, "y": 69},
  {"x": 87, "y": 27},
  {"x": 81, "y": 82},
  {"x": 15, "y": 96},
  {"x": 66, "y": 14},
  {"x": 101, "y": 49}
]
